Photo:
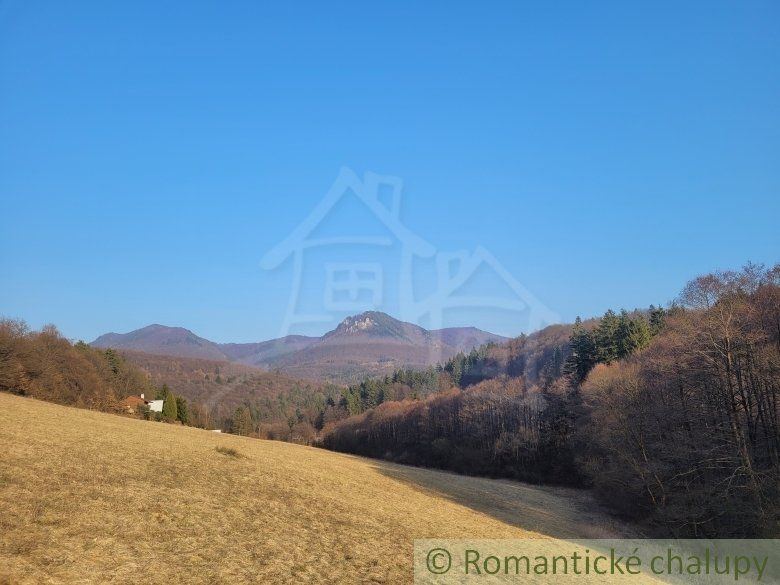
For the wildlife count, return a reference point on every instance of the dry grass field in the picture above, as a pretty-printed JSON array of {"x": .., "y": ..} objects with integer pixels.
[{"x": 87, "y": 497}]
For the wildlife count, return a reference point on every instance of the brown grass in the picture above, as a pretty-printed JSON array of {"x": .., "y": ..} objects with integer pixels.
[
  {"x": 229, "y": 451},
  {"x": 87, "y": 497}
]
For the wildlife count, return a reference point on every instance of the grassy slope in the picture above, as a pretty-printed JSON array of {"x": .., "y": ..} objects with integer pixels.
[{"x": 88, "y": 497}]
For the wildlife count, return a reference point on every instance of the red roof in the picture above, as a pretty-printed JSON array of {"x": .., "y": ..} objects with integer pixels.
[{"x": 132, "y": 401}]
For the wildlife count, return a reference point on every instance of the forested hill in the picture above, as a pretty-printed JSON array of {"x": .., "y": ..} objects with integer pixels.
[
  {"x": 197, "y": 392},
  {"x": 670, "y": 415},
  {"x": 540, "y": 359},
  {"x": 368, "y": 344},
  {"x": 45, "y": 365}
]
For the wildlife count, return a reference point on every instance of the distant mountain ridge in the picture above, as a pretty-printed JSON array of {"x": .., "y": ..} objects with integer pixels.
[
  {"x": 164, "y": 340},
  {"x": 371, "y": 343}
]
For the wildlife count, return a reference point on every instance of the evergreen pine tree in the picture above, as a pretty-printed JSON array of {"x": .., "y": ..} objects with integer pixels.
[
  {"x": 606, "y": 337},
  {"x": 114, "y": 360},
  {"x": 242, "y": 423},
  {"x": 631, "y": 335},
  {"x": 162, "y": 392},
  {"x": 583, "y": 353},
  {"x": 657, "y": 319},
  {"x": 182, "y": 412},
  {"x": 169, "y": 411}
]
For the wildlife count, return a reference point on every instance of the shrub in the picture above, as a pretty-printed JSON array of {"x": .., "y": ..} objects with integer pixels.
[{"x": 230, "y": 452}]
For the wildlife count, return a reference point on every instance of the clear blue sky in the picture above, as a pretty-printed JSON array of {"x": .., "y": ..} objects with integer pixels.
[{"x": 152, "y": 152}]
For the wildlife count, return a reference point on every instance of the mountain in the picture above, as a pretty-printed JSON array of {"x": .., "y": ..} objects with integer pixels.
[
  {"x": 368, "y": 344},
  {"x": 375, "y": 344},
  {"x": 262, "y": 354},
  {"x": 160, "y": 339}
]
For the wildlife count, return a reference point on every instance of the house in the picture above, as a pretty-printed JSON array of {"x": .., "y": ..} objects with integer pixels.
[{"x": 131, "y": 404}]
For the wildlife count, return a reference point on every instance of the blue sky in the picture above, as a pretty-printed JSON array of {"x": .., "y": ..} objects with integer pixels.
[{"x": 152, "y": 153}]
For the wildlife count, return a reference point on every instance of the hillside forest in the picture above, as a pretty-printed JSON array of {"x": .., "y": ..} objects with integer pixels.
[{"x": 669, "y": 415}]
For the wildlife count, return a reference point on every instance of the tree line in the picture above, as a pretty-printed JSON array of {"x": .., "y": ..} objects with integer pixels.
[
  {"x": 301, "y": 414},
  {"x": 686, "y": 432},
  {"x": 47, "y": 366},
  {"x": 504, "y": 410},
  {"x": 670, "y": 415}
]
